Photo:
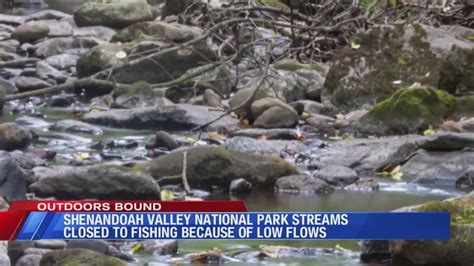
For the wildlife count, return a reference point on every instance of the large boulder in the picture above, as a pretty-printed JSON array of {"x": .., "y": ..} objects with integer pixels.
[
  {"x": 409, "y": 110},
  {"x": 79, "y": 257},
  {"x": 98, "y": 58},
  {"x": 215, "y": 166},
  {"x": 117, "y": 15},
  {"x": 31, "y": 31},
  {"x": 337, "y": 175},
  {"x": 457, "y": 72},
  {"x": 12, "y": 179},
  {"x": 389, "y": 57},
  {"x": 458, "y": 250},
  {"x": 97, "y": 182},
  {"x": 14, "y": 137},
  {"x": 277, "y": 117},
  {"x": 156, "y": 30}
]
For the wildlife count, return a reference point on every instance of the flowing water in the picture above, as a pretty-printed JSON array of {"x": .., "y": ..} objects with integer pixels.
[{"x": 390, "y": 197}]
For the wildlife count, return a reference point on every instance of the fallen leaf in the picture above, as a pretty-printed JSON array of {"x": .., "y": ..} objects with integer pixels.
[
  {"x": 167, "y": 195},
  {"x": 215, "y": 135},
  {"x": 121, "y": 54},
  {"x": 136, "y": 248},
  {"x": 397, "y": 82},
  {"x": 355, "y": 45},
  {"x": 429, "y": 132},
  {"x": 397, "y": 176}
]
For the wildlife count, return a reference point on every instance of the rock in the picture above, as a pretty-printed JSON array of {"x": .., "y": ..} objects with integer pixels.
[
  {"x": 37, "y": 251},
  {"x": 11, "y": 19},
  {"x": 79, "y": 257},
  {"x": 31, "y": 31},
  {"x": 389, "y": 57},
  {"x": 116, "y": 15},
  {"x": 265, "y": 147},
  {"x": 45, "y": 71},
  {"x": 160, "y": 247},
  {"x": 277, "y": 117},
  {"x": 464, "y": 107},
  {"x": 62, "y": 45},
  {"x": 75, "y": 126},
  {"x": 466, "y": 181},
  {"x": 213, "y": 166},
  {"x": 437, "y": 169},
  {"x": 62, "y": 61},
  {"x": 99, "y": 246},
  {"x": 59, "y": 28},
  {"x": 9, "y": 45},
  {"x": 312, "y": 107},
  {"x": 30, "y": 83},
  {"x": 12, "y": 180},
  {"x": 302, "y": 184},
  {"x": 50, "y": 244},
  {"x": 240, "y": 186},
  {"x": 3, "y": 93},
  {"x": 258, "y": 107},
  {"x": 29, "y": 260},
  {"x": 174, "y": 7},
  {"x": 177, "y": 117},
  {"x": 364, "y": 184},
  {"x": 139, "y": 94},
  {"x": 99, "y": 182},
  {"x": 241, "y": 103},
  {"x": 14, "y": 137},
  {"x": 156, "y": 30},
  {"x": 16, "y": 249},
  {"x": 62, "y": 100},
  {"x": 99, "y": 32},
  {"x": 366, "y": 156},
  {"x": 220, "y": 79},
  {"x": 321, "y": 122},
  {"x": 269, "y": 134},
  {"x": 165, "y": 140},
  {"x": 9, "y": 87},
  {"x": 458, "y": 250},
  {"x": 4, "y": 259},
  {"x": 447, "y": 142},
  {"x": 98, "y": 58},
  {"x": 47, "y": 14},
  {"x": 409, "y": 110},
  {"x": 337, "y": 175},
  {"x": 30, "y": 121},
  {"x": 374, "y": 251},
  {"x": 212, "y": 99},
  {"x": 457, "y": 72}
]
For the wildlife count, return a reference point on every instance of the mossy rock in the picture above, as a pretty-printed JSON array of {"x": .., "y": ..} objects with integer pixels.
[
  {"x": 458, "y": 250},
  {"x": 98, "y": 58},
  {"x": 216, "y": 166},
  {"x": 409, "y": 110},
  {"x": 457, "y": 72},
  {"x": 72, "y": 257},
  {"x": 464, "y": 107},
  {"x": 389, "y": 57},
  {"x": 117, "y": 15}
]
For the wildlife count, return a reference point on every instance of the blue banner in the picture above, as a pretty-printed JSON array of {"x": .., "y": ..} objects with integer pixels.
[{"x": 261, "y": 226}]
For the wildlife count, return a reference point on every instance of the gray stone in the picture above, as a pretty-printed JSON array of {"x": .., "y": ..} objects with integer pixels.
[
  {"x": 31, "y": 31},
  {"x": 210, "y": 98},
  {"x": 100, "y": 32},
  {"x": 31, "y": 121},
  {"x": 75, "y": 126},
  {"x": 163, "y": 139},
  {"x": 302, "y": 184},
  {"x": 447, "y": 142},
  {"x": 58, "y": 28},
  {"x": 12, "y": 180},
  {"x": 24, "y": 83},
  {"x": 240, "y": 186},
  {"x": 62, "y": 61},
  {"x": 156, "y": 30},
  {"x": 62, "y": 45},
  {"x": 50, "y": 244},
  {"x": 79, "y": 257},
  {"x": 45, "y": 71},
  {"x": 29, "y": 260},
  {"x": 13, "y": 137},
  {"x": 466, "y": 181},
  {"x": 337, "y": 175},
  {"x": 277, "y": 117},
  {"x": 99, "y": 246},
  {"x": 270, "y": 134},
  {"x": 160, "y": 247},
  {"x": 265, "y": 147},
  {"x": 47, "y": 15},
  {"x": 4, "y": 259},
  {"x": 11, "y": 19}
]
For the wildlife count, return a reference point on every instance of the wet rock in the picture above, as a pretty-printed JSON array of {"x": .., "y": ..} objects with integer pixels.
[
  {"x": 240, "y": 186},
  {"x": 99, "y": 32},
  {"x": 98, "y": 58},
  {"x": 79, "y": 257},
  {"x": 447, "y": 142},
  {"x": 437, "y": 169},
  {"x": 270, "y": 134},
  {"x": 50, "y": 244},
  {"x": 75, "y": 126},
  {"x": 26, "y": 160},
  {"x": 457, "y": 72},
  {"x": 364, "y": 184},
  {"x": 59, "y": 28},
  {"x": 177, "y": 117},
  {"x": 31, "y": 31},
  {"x": 62, "y": 61},
  {"x": 12, "y": 180},
  {"x": 24, "y": 83},
  {"x": 99, "y": 182},
  {"x": 466, "y": 181},
  {"x": 302, "y": 184},
  {"x": 416, "y": 109},
  {"x": 374, "y": 251},
  {"x": 160, "y": 247},
  {"x": 277, "y": 117},
  {"x": 62, "y": 45},
  {"x": 214, "y": 166},
  {"x": 337, "y": 175},
  {"x": 458, "y": 250},
  {"x": 11, "y": 19},
  {"x": 62, "y": 100},
  {"x": 48, "y": 14},
  {"x": 389, "y": 57},
  {"x": 30, "y": 121},
  {"x": 29, "y": 260},
  {"x": 116, "y": 15},
  {"x": 265, "y": 147},
  {"x": 156, "y": 30},
  {"x": 210, "y": 98},
  {"x": 13, "y": 136},
  {"x": 366, "y": 156},
  {"x": 165, "y": 140},
  {"x": 139, "y": 94}
]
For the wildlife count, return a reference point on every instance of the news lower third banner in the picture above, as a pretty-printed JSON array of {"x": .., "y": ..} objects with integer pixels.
[{"x": 118, "y": 220}]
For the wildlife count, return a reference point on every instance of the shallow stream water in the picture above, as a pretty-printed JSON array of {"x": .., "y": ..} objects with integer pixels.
[{"x": 390, "y": 197}]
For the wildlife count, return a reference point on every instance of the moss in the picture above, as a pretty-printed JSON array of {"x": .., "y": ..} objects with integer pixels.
[
  {"x": 413, "y": 107},
  {"x": 420, "y": 31},
  {"x": 71, "y": 257},
  {"x": 293, "y": 65},
  {"x": 462, "y": 212},
  {"x": 272, "y": 3}
]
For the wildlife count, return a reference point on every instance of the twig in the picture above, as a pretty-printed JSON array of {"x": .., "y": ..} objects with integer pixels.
[{"x": 187, "y": 188}]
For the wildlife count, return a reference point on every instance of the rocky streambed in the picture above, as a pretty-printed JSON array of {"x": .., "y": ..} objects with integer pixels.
[{"x": 385, "y": 124}]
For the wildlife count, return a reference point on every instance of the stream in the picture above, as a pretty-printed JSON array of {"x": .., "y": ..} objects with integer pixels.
[{"x": 392, "y": 195}]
